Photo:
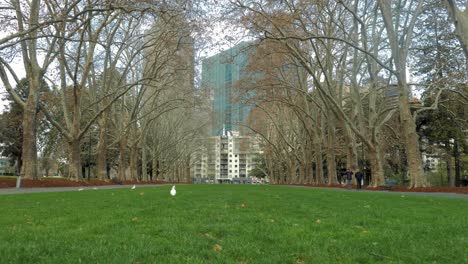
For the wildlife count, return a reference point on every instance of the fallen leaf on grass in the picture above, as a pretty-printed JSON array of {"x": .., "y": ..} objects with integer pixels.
[
  {"x": 208, "y": 235},
  {"x": 365, "y": 231},
  {"x": 142, "y": 193},
  {"x": 135, "y": 219},
  {"x": 217, "y": 248},
  {"x": 272, "y": 220},
  {"x": 318, "y": 221},
  {"x": 244, "y": 205},
  {"x": 299, "y": 261}
]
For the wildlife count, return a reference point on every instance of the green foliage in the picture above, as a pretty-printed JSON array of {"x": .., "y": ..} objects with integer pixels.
[
  {"x": 445, "y": 123},
  {"x": 11, "y": 130},
  {"x": 210, "y": 224},
  {"x": 439, "y": 176},
  {"x": 260, "y": 168}
]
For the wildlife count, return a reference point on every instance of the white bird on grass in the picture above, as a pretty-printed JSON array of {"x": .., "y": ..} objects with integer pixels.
[
  {"x": 94, "y": 188},
  {"x": 80, "y": 189},
  {"x": 173, "y": 191},
  {"x": 133, "y": 187}
]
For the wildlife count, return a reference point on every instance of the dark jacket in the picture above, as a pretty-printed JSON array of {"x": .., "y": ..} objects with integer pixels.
[{"x": 359, "y": 175}]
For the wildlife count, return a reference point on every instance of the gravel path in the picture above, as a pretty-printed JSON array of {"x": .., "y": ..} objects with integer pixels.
[{"x": 69, "y": 189}]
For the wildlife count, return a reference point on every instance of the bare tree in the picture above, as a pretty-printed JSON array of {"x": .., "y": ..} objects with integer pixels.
[{"x": 460, "y": 20}]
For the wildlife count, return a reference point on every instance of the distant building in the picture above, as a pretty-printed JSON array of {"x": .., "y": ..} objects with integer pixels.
[
  {"x": 222, "y": 76},
  {"x": 228, "y": 158},
  {"x": 430, "y": 161}
]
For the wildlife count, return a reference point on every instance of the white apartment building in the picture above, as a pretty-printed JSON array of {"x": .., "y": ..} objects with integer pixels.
[{"x": 225, "y": 159}]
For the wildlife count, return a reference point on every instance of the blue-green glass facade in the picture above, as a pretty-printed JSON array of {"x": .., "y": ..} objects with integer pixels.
[{"x": 221, "y": 76}]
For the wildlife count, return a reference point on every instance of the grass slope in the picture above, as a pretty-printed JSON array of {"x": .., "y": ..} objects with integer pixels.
[{"x": 209, "y": 224}]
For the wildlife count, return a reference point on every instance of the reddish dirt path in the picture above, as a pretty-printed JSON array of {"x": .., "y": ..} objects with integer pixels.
[{"x": 51, "y": 182}]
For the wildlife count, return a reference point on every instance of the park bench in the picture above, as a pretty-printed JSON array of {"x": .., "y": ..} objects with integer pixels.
[{"x": 388, "y": 184}]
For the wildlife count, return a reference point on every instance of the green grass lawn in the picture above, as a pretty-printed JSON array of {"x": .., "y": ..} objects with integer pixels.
[{"x": 208, "y": 224}]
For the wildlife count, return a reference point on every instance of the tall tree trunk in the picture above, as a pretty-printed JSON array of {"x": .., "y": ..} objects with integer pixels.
[
  {"x": 171, "y": 173},
  {"x": 448, "y": 163},
  {"x": 377, "y": 173},
  {"x": 413, "y": 154},
  {"x": 331, "y": 158},
  {"x": 144, "y": 161},
  {"x": 292, "y": 171},
  {"x": 133, "y": 153},
  {"x": 318, "y": 162},
  {"x": 187, "y": 171},
  {"x": 101, "y": 159},
  {"x": 133, "y": 163},
  {"x": 155, "y": 169},
  {"x": 29, "y": 149},
  {"x": 351, "y": 151},
  {"x": 301, "y": 179},
  {"x": 271, "y": 170},
  {"x": 399, "y": 50},
  {"x": 456, "y": 155},
  {"x": 33, "y": 73},
  {"x": 74, "y": 140},
  {"x": 179, "y": 173},
  {"x": 309, "y": 173},
  {"x": 122, "y": 158},
  {"x": 75, "y": 169}
]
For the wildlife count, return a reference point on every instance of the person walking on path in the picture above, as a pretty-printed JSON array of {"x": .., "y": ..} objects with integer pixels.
[
  {"x": 359, "y": 179},
  {"x": 349, "y": 178}
]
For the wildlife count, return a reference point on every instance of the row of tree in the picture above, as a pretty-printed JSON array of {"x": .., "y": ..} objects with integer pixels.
[
  {"x": 110, "y": 84},
  {"x": 108, "y": 80},
  {"x": 335, "y": 89}
]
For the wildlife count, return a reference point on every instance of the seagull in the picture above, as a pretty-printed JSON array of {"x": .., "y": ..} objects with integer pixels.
[
  {"x": 133, "y": 187},
  {"x": 80, "y": 189},
  {"x": 173, "y": 191}
]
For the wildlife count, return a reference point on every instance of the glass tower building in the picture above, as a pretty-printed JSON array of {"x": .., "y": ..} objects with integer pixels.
[{"x": 221, "y": 78}]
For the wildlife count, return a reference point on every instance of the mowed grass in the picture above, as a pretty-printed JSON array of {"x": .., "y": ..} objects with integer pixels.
[{"x": 210, "y": 224}]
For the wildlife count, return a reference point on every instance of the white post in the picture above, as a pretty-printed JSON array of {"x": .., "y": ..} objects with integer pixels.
[{"x": 18, "y": 182}]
